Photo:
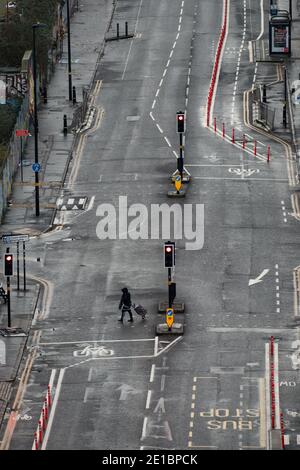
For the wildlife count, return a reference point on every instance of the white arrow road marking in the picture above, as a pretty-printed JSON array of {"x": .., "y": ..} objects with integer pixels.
[
  {"x": 259, "y": 278},
  {"x": 126, "y": 390}
]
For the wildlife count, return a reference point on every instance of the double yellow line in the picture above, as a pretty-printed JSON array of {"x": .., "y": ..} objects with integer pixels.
[{"x": 83, "y": 137}]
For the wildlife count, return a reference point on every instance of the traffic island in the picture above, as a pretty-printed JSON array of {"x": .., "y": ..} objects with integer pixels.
[
  {"x": 178, "y": 307},
  {"x": 163, "y": 329},
  {"x": 174, "y": 193},
  {"x": 17, "y": 332}
]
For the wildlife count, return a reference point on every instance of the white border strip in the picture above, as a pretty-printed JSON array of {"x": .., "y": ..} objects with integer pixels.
[
  {"x": 267, "y": 383},
  {"x": 276, "y": 386},
  {"x": 53, "y": 408}
]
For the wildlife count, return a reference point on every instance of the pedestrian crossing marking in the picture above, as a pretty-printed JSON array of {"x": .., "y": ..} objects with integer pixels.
[{"x": 71, "y": 203}]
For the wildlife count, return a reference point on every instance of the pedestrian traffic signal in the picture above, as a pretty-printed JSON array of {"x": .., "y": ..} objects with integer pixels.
[
  {"x": 169, "y": 253},
  {"x": 180, "y": 122},
  {"x": 8, "y": 264}
]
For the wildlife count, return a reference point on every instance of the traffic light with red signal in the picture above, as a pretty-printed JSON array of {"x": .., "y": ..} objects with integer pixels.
[
  {"x": 180, "y": 121},
  {"x": 169, "y": 254},
  {"x": 8, "y": 265}
]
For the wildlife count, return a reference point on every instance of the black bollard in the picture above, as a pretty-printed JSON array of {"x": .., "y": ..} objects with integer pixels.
[
  {"x": 118, "y": 30},
  {"x": 284, "y": 115},
  {"x": 126, "y": 28},
  {"x": 65, "y": 125},
  {"x": 264, "y": 93},
  {"x": 74, "y": 95}
]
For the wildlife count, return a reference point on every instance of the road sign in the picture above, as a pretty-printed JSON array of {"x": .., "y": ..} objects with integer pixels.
[
  {"x": 22, "y": 133},
  {"x": 36, "y": 167},
  {"x": 177, "y": 182},
  {"x": 10, "y": 238},
  {"x": 273, "y": 10},
  {"x": 170, "y": 317}
]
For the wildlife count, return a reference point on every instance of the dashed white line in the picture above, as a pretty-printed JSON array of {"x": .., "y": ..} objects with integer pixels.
[
  {"x": 148, "y": 399},
  {"x": 152, "y": 373}
]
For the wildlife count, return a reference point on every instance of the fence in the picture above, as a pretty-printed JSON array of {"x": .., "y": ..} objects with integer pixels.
[
  {"x": 261, "y": 113},
  {"x": 10, "y": 165}
]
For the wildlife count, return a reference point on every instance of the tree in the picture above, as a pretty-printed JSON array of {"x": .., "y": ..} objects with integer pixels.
[{"x": 16, "y": 35}]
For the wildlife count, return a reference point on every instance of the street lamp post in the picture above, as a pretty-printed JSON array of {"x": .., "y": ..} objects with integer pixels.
[
  {"x": 69, "y": 52},
  {"x": 36, "y": 125}
]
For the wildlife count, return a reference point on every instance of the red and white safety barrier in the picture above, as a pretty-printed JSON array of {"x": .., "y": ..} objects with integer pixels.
[
  {"x": 43, "y": 421},
  {"x": 274, "y": 400},
  {"x": 216, "y": 67}
]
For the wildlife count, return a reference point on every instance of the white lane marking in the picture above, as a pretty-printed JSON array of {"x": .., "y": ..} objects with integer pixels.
[
  {"x": 53, "y": 409},
  {"x": 144, "y": 428},
  {"x": 155, "y": 345},
  {"x": 262, "y": 16},
  {"x": 168, "y": 142},
  {"x": 152, "y": 373},
  {"x": 157, "y": 93},
  {"x": 97, "y": 341},
  {"x": 148, "y": 399},
  {"x": 276, "y": 383},
  {"x": 91, "y": 204},
  {"x": 159, "y": 128},
  {"x": 152, "y": 117},
  {"x": 135, "y": 30},
  {"x": 162, "y": 383},
  {"x": 169, "y": 346},
  {"x": 238, "y": 63}
]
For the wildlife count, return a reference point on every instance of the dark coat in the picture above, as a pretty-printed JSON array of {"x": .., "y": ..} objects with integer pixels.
[{"x": 125, "y": 302}]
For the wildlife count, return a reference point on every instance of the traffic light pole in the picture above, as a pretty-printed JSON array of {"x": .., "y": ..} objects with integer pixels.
[
  {"x": 169, "y": 286},
  {"x": 24, "y": 267},
  {"x": 180, "y": 159},
  {"x": 18, "y": 267},
  {"x": 8, "y": 298}
]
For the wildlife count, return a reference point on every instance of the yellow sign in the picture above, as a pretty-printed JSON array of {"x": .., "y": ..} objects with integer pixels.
[
  {"x": 170, "y": 317},
  {"x": 178, "y": 182}
]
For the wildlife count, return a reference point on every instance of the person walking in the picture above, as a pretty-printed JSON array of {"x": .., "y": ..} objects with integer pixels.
[{"x": 125, "y": 304}]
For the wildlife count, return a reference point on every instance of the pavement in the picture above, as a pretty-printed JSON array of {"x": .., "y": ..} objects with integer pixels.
[
  {"x": 23, "y": 305},
  {"x": 55, "y": 153},
  {"x": 118, "y": 386}
]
